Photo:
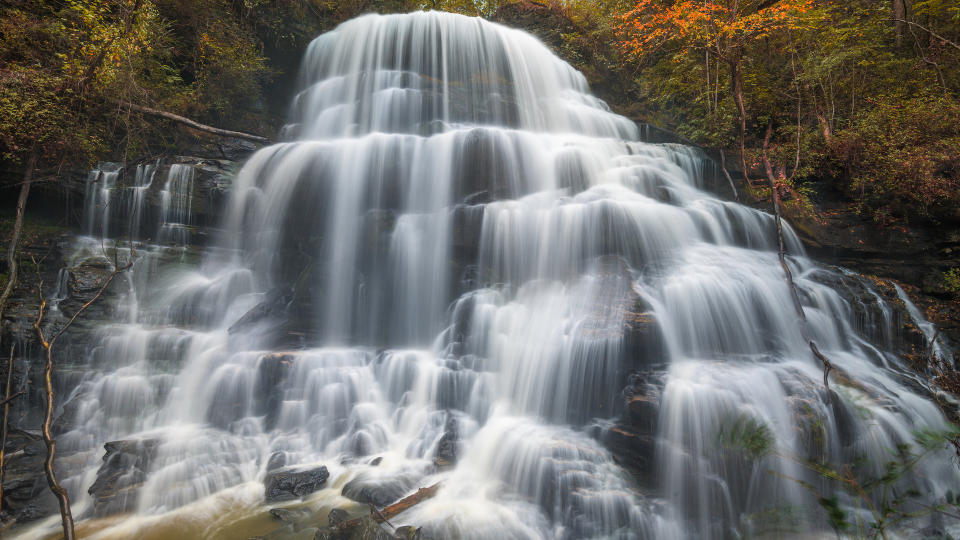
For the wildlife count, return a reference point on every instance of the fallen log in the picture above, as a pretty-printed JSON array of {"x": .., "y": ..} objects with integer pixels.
[
  {"x": 196, "y": 125},
  {"x": 392, "y": 510}
]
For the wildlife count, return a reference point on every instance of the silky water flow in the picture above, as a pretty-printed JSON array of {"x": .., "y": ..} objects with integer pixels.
[{"x": 482, "y": 263}]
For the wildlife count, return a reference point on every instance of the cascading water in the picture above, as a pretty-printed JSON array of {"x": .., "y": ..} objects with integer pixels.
[{"x": 456, "y": 264}]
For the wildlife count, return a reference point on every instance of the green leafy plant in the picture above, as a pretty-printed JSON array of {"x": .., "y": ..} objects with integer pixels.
[
  {"x": 951, "y": 281},
  {"x": 883, "y": 501}
]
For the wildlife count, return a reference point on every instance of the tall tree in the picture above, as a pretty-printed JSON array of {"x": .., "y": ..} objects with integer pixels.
[{"x": 724, "y": 29}]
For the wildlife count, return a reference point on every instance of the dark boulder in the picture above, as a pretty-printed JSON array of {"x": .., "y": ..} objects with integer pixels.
[
  {"x": 283, "y": 514},
  {"x": 267, "y": 317},
  {"x": 289, "y": 484},
  {"x": 379, "y": 494},
  {"x": 381, "y": 488},
  {"x": 369, "y": 529},
  {"x": 632, "y": 439},
  {"x": 633, "y": 450},
  {"x": 124, "y": 470},
  {"x": 337, "y": 516}
]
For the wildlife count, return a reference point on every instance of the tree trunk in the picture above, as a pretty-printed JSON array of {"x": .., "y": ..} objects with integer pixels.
[
  {"x": 12, "y": 268},
  {"x": 63, "y": 499},
  {"x": 899, "y": 15},
  {"x": 781, "y": 254},
  {"x": 46, "y": 431},
  {"x": 736, "y": 89},
  {"x": 821, "y": 115}
]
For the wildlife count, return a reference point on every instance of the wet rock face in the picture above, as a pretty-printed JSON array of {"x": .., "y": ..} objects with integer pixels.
[
  {"x": 290, "y": 484},
  {"x": 26, "y": 496},
  {"x": 124, "y": 470},
  {"x": 277, "y": 321},
  {"x": 632, "y": 439},
  {"x": 448, "y": 447}
]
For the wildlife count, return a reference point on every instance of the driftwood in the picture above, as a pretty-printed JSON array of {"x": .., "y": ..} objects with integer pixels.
[
  {"x": 381, "y": 516},
  {"x": 194, "y": 124},
  {"x": 781, "y": 253}
]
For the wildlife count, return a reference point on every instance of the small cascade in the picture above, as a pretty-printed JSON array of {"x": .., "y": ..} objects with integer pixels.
[
  {"x": 463, "y": 268},
  {"x": 109, "y": 201},
  {"x": 929, "y": 330},
  {"x": 61, "y": 290},
  {"x": 136, "y": 196},
  {"x": 101, "y": 182},
  {"x": 176, "y": 202}
]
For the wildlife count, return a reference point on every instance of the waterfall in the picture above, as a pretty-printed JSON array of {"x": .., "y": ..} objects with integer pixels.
[
  {"x": 177, "y": 205},
  {"x": 463, "y": 264}
]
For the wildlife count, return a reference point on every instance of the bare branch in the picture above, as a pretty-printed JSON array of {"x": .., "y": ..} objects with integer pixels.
[
  {"x": 5, "y": 402},
  {"x": 931, "y": 32},
  {"x": 196, "y": 125},
  {"x": 66, "y": 516}
]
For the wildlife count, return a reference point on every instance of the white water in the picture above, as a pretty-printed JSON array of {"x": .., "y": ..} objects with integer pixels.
[{"x": 472, "y": 232}]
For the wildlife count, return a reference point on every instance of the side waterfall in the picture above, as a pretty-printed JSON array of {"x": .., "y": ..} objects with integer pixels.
[{"x": 464, "y": 265}]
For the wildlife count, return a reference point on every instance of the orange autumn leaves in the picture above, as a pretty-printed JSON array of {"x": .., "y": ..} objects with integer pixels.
[{"x": 698, "y": 24}]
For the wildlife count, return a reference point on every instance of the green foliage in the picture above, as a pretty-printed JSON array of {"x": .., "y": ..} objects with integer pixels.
[
  {"x": 837, "y": 517},
  {"x": 903, "y": 154},
  {"x": 889, "y": 497},
  {"x": 747, "y": 435},
  {"x": 67, "y": 67},
  {"x": 859, "y": 98},
  {"x": 951, "y": 281}
]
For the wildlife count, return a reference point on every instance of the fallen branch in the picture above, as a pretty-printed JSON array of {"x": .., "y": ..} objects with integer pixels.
[
  {"x": 392, "y": 510},
  {"x": 194, "y": 124},
  {"x": 781, "y": 253},
  {"x": 378, "y": 513}
]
